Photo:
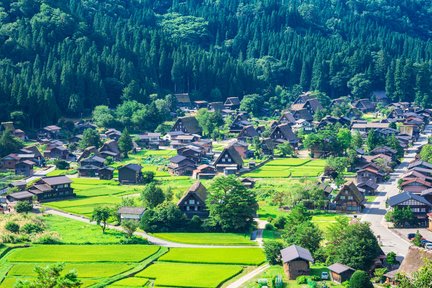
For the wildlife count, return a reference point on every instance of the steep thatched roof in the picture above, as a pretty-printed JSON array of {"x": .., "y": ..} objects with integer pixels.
[{"x": 414, "y": 260}]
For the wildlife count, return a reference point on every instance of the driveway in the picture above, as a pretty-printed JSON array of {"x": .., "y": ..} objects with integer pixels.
[{"x": 375, "y": 211}]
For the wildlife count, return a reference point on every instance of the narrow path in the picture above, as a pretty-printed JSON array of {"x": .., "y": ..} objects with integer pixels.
[
  {"x": 150, "y": 238},
  {"x": 242, "y": 280},
  {"x": 375, "y": 211}
]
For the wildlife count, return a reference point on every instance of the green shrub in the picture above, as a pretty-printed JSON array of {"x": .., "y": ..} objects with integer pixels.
[
  {"x": 272, "y": 251},
  {"x": 32, "y": 228},
  {"x": 23, "y": 207},
  {"x": 47, "y": 239},
  {"x": 360, "y": 279},
  {"x": 301, "y": 280},
  {"x": 12, "y": 227},
  {"x": 134, "y": 240},
  {"x": 269, "y": 226},
  {"x": 62, "y": 164}
]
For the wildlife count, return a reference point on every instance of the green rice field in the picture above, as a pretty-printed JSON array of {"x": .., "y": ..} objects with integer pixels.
[
  {"x": 208, "y": 238},
  {"x": 289, "y": 167}
]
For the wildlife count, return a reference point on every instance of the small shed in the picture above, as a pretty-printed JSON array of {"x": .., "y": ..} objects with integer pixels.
[
  {"x": 131, "y": 213},
  {"x": 296, "y": 261},
  {"x": 340, "y": 272}
]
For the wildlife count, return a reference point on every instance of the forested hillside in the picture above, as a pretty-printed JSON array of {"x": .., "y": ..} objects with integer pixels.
[{"x": 63, "y": 57}]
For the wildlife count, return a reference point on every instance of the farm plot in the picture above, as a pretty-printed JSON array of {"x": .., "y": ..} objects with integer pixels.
[
  {"x": 189, "y": 275},
  {"x": 82, "y": 253},
  {"x": 92, "y": 193},
  {"x": 244, "y": 256},
  {"x": 129, "y": 282},
  {"x": 208, "y": 238},
  {"x": 289, "y": 167}
]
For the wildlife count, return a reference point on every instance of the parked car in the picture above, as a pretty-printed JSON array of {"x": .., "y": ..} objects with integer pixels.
[
  {"x": 423, "y": 242},
  {"x": 428, "y": 246},
  {"x": 324, "y": 275},
  {"x": 411, "y": 236}
]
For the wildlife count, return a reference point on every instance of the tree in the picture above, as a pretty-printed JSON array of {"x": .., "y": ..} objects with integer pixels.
[
  {"x": 360, "y": 279},
  {"x": 103, "y": 116},
  {"x": 90, "y": 137},
  {"x": 360, "y": 86},
  {"x": 62, "y": 164},
  {"x": 417, "y": 239},
  {"x": 285, "y": 149},
  {"x": 272, "y": 250},
  {"x": 12, "y": 227},
  {"x": 306, "y": 235},
  {"x": 125, "y": 143},
  {"x": 23, "y": 207},
  {"x": 353, "y": 244},
  {"x": 166, "y": 217},
  {"x": 209, "y": 121},
  {"x": 101, "y": 216},
  {"x": 426, "y": 153},
  {"x": 152, "y": 195},
  {"x": 251, "y": 103},
  {"x": 232, "y": 207},
  {"x": 9, "y": 143},
  {"x": 391, "y": 258},
  {"x": 51, "y": 277},
  {"x": 372, "y": 140},
  {"x": 401, "y": 217},
  {"x": 130, "y": 226}
]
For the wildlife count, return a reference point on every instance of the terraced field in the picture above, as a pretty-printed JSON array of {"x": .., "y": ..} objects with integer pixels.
[{"x": 289, "y": 167}]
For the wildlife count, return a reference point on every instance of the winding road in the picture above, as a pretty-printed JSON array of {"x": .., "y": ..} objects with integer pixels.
[{"x": 375, "y": 211}]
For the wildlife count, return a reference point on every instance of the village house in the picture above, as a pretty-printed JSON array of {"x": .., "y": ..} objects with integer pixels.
[
  {"x": 200, "y": 104},
  {"x": 287, "y": 118},
  {"x": 349, "y": 199},
  {"x": 130, "y": 213},
  {"x": 188, "y": 124},
  {"x": 364, "y": 105},
  {"x": 180, "y": 165},
  {"x": 18, "y": 133},
  {"x": 57, "y": 152},
  {"x": 10, "y": 161},
  {"x": 193, "y": 201},
  {"x": 368, "y": 188},
  {"x": 247, "y": 133},
  {"x": 81, "y": 126},
  {"x": 183, "y": 100},
  {"x": 364, "y": 128},
  {"x": 130, "y": 174},
  {"x": 240, "y": 121},
  {"x": 110, "y": 149},
  {"x": 418, "y": 205},
  {"x": 283, "y": 133},
  {"x": 340, "y": 272},
  {"x": 192, "y": 152},
  {"x": 228, "y": 158},
  {"x": 149, "y": 140},
  {"x": 248, "y": 182},
  {"x": 232, "y": 103},
  {"x": 296, "y": 261},
  {"x": 112, "y": 134},
  {"x": 216, "y": 106},
  {"x": 50, "y": 132},
  {"x": 106, "y": 173},
  {"x": 415, "y": 185},
  {"x": 204, "y": 172},
  {"x": 24, "y": 168},
  {"x": 46, "y": 189}
]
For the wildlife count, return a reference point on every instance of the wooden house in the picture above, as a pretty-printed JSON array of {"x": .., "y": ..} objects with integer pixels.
[
  {"x": 192, "y": 152},
  {"x": 52, "y": 188},
  {"x": 296, "y": 261},
  {"x": 368, "y": 188},
  {"x": 200, "y": 104},
  {"x": 415, "y": 185},
  {"x": 130, "y": 174},
  {"x": 216, "y": 106},
  {"x": 228, "y": 158},
  {"x": 349, "y": 199},
  {"x": 57, "y": 152},
  {"x": 247, "y": 133},
  {"x": 193, "y": 201},
  {"x": 130, "y": 213},
  {"x": 248, "y": 182},
  {"x": 149, "y": 140},
  {"x": 51, "y": 131},
  {"x": 183, "y": 100},
  {"x": 112, "y": 134},
  {"x": 204, "y": 172},
  {"x": 340, "y": 272},
  {"x": 24, "y": 168},
  {"x": 181, "y": 165},
  {"x": 283, "y": 133},
  {"x": 418, "y": 205},
  {"x": 110, "y": 149},
  {"x": 232, "y": 103},
  {"x": 188, "y": 124},
  {"x": 106, "y": 173},
  {"x": 240, "y": 121},
  {"x": 287, "y": 118},
  {"x": 370, "y": 172},
  {"x": 364, "y": 105},
  {"x": 20, "y": 196}
]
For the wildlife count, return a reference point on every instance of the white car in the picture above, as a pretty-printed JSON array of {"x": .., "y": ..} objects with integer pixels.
[
  {"x": 324, "y": 275},
  {"x": 428, "y": 246}
]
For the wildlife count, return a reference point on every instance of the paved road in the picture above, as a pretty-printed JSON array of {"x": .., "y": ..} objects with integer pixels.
[
  {"x": 374, "y": 212},
  {"x": 242, "y": 280}
]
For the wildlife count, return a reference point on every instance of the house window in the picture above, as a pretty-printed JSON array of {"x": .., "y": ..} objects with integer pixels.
[
  {"x": 187, "y": 208},
  {"x": 342, "y": 197},
  {"x": 350, "y": 197},
  {"x": 192, "y": 201}
]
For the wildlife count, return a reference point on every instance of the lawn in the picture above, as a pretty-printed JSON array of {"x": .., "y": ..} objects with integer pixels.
[
  {"x": 323, "y": 221},
  {"x": 208, "y": 238},
  {"x": 266, "y": 211},
  {"x": 82, "y": 253},
  {"x": 58, "y": 172},
  {"x": 76, "y": 232},
  {"x": 244, "y": 256},
  {"x": 189, "y": 275},
  {"x": 289, "y": 167}
]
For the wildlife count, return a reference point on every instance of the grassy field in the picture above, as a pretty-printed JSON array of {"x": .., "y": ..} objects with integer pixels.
[
  {"x": 189, "y": 275},
  {"x": 130, "y": 282},
  {"x": 94, "y": 192},
  {"x": 77, "y": 232},
  {"x": 82, "y": 253},
  {"x": 244, "y": 256},
  {"x": 289, "y": 167},
  {"x": 323, "y": 221},
  {"x": 208, "y": 238}
]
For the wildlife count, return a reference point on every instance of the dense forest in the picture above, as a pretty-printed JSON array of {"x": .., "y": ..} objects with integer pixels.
[{"x": 64, "y": 57}]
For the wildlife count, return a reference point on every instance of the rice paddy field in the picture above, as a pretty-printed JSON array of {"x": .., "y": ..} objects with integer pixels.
[
  {"x": 93, "y": 263},
  {"x": 289, "y": 167},
  {"x": 208, "y": 238}
]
